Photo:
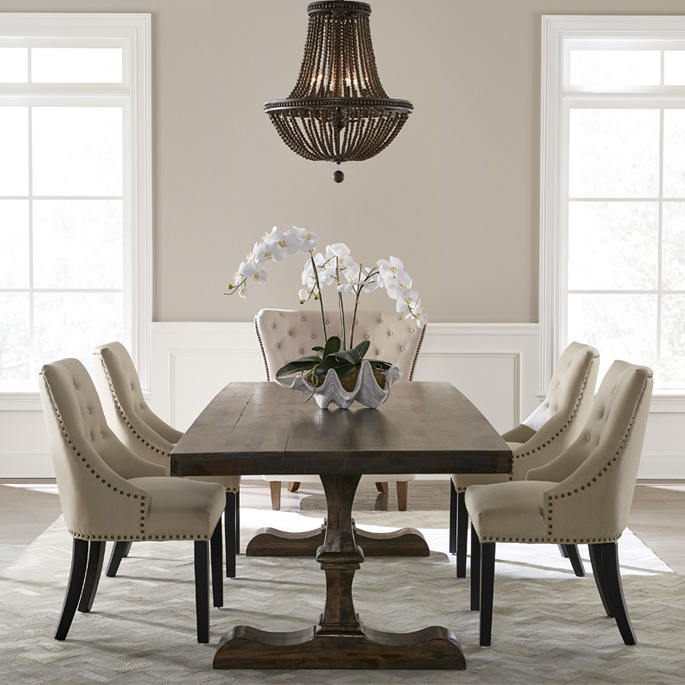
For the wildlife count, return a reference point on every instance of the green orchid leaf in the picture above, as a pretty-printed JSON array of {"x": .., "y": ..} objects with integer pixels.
[
  {"x": 379, "y": 364},
  {"x": 329, "y": 362},
  {"x": 297, "y": 366},
  {"x": 333, "y": 344},
  {"x": 347, "y": 356},
  {"x": 318, "y": 348},
  {"x": 362, "y": 348}
]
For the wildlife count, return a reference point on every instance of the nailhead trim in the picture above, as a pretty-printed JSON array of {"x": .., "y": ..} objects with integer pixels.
[
  {"x": 88, "y": 467},
  {"x": 565, "y": 426},
  {"x": 128, "y": 423},
  {"x": 551, "y": 498}
]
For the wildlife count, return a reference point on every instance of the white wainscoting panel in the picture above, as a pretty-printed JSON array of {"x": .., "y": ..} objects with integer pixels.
[{"x": 494, "y": 365}]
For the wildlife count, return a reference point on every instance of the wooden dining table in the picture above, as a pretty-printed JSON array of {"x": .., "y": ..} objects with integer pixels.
[{"x": 262, "y": 428}]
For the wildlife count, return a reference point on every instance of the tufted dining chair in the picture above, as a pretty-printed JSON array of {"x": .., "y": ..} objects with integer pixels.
[
  {"x": 581, "y": 497},
  {"x": 108, "y": 493},
  {"x": 146, "y": 435},
  {"x": 540, "y": 438},
  {"x": 285, "y": 335}
]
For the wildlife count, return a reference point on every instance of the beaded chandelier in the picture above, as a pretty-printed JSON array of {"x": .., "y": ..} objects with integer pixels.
[{"x": 338, "y": 111}]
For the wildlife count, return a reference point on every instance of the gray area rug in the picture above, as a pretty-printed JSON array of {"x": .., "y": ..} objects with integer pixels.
[{"x": 549, "y": 626}]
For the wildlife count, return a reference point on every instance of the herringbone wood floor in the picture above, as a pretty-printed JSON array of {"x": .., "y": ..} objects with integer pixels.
[{"x": 28, "y": 507}]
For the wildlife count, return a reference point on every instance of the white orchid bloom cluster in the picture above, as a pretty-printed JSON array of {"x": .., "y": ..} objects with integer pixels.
[
  {"x": 398, "y": 284},
  {"x": 273, "y": 247},
  {"x": 335, "y": 266}
]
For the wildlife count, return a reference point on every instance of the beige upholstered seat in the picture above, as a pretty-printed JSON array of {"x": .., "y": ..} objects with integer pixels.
[
  {"x": 285, "y": 335},
  {"x": 582, "y": 496},
  {"x": 109, "y": 493},
  {"x": 538, "y": 440},
  {"x": 145, "y": 434}
]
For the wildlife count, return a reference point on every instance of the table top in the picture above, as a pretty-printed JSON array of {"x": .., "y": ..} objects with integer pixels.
[{"x": 257, "y": 428}]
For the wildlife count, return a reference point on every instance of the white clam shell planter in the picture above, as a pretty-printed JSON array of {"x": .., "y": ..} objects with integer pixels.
[{"x": 366, "y": 390}]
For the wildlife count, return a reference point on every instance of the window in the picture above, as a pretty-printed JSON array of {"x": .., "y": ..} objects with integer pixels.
[
  {"x": 613, "y": 191},
  {"x": 74, "y": 189}
]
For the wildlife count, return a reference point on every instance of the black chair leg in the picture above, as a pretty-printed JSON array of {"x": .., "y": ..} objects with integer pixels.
[
  {"x": 573, "y": 556},
  {"x": 230, "y": 531},
  {"x": 600, "y": 579},
  {"x": 79, "y": 560},
  {"x": 96, "y": 556},
  {"x": 453, "y": 518},
  {"x": 217, "y": 562},
  {"x": 237, "y": 522},
  {"x": 127, "y": 549},
  {"x": 462, "y": 534},
  {"x": 202, "y": 590},
  {"x": 562, "y": 551},
  {"x": 115, "y": 558},
  {"x": 487, "y": 591},
  {"x": 614, "y": 587},
  {"x": 475, "y": 570}
]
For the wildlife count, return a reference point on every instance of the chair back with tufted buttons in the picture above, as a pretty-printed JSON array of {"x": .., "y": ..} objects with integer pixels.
[
  {"x": 129, "y": 415},
  {"x": 555, "y": 423},
  {"x": 557, "y": 420},
  {"x": 93, "y": 467},
  {"x": 285, "y": 335}
]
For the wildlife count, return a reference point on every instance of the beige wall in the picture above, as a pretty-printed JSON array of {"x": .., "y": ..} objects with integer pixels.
[{"x": 455, "y": 196}]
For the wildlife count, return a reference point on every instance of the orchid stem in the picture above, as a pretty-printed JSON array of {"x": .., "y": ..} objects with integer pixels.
[
  {"x": 356, "y": 304},
  {"x": 340, "y": 303},
  {"x": 318, "y": 287}
]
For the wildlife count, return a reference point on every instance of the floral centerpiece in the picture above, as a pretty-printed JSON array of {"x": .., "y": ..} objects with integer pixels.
[{"x": 337, "y": 371}]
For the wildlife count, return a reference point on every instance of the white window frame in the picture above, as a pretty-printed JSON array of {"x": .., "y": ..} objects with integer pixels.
[
  {"x": 132, "y": 32},
  {"x": 557, "y": 31}
]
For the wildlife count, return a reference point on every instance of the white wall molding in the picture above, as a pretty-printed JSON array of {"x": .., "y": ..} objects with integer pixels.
[{"x": 495, "y": 365}]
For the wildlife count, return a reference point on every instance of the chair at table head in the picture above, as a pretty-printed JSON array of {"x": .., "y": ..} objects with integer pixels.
[{"x": 285, "y": 335}]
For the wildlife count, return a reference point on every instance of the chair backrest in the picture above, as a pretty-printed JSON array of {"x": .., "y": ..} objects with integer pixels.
[
  {"x": 596, "y": 475},
  {"x": 285, "y": 335},
  {"x": 127, "y": 412},
  {"x": 553, "y": 426},
  {"x": 91, "y": 463}
]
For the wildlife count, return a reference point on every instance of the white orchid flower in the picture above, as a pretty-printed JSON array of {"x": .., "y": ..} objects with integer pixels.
[
  {"x": 339, "y": 250},
  {"x": 389, "y": 268},
  {"x": 299, "y": 240},
  {"x": 406, "y": 301},
  {"x": 271, "y": 249},
  {"x": 251, "y": 271},
  {"x": 308, "y": 279}
]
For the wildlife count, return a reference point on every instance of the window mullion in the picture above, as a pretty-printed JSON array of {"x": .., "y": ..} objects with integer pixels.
[
  {"x": 660, "y": 220},
  {"x": 32, "y": 359}
]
